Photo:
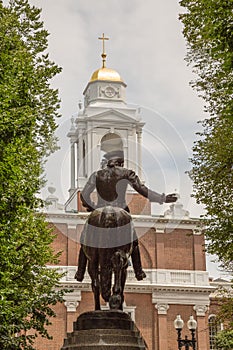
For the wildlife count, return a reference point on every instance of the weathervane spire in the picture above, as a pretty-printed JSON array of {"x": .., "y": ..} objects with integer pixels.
[{"x": 104, "y": 55}]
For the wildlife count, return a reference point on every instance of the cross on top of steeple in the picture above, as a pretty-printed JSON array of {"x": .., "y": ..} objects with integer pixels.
[{"x": 104, "y": 55}]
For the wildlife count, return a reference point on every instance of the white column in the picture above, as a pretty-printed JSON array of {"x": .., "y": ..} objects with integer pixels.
[
  {"x": 139, "y": 151},
  {"x": 95, "y": 151},
  {"x": 162, "y": 325},
  {"x": 202, "y": 326},
  {"x": 72, "y": 165},
  {"x": 71, "y": 302},
  {"x": 132, "y": 148},
  {"x": 80, "y": 155}
]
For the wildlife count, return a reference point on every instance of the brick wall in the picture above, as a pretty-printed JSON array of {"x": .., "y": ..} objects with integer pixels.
[
  {"x": 57, "y": 330},
  {"x": 138, "y": 204},
  {"x": 185, "y": 311},
  {"x": 178, "y": 249},
  {"x": 144, "y": 315}
]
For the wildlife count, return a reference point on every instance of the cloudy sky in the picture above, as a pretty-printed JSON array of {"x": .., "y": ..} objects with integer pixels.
[{"x": 147, "y": 49}]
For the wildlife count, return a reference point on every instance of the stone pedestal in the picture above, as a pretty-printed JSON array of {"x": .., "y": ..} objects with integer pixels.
[{"x": 104, "y": 330}]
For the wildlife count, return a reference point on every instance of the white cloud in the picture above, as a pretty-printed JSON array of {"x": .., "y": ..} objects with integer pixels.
[{"x": 147, "y": 48}]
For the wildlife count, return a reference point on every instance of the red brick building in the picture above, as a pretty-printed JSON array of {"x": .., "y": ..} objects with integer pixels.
[{"x": 171, "y": 245}]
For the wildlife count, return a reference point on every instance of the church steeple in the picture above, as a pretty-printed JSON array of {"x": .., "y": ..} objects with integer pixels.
[
  {"x": 105, "y": 73},
  {"x": 105, "y": 84},
  {"x": 106, "y": 123}
]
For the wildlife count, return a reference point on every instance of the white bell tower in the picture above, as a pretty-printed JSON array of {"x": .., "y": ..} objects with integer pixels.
[{"x": 106, "y": 123}]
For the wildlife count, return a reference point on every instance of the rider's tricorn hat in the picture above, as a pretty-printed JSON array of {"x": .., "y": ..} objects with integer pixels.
[{"x": 114, "y": 155}]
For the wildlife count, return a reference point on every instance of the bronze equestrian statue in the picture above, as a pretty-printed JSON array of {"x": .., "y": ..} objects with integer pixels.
[{"x": 108, "y": 238}]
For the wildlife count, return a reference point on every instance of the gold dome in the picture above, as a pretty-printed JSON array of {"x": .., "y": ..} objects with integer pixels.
[{"x": 105, "y": 74}]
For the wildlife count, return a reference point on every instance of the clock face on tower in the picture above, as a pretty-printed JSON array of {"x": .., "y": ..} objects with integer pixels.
[{"x": 109, "y": 91}]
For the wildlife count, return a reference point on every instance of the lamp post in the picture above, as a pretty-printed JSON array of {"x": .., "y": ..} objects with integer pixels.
[{"x": 192, "y": 325}]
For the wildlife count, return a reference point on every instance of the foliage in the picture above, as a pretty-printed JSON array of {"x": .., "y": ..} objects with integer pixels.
[
  {"x": 226, "y": 308},
  {"x": 212, "y": 177},
  {"x": 208, "y": 29},
  {"x": 28, "y": 109},
  {"x": 224, "y": 340}
]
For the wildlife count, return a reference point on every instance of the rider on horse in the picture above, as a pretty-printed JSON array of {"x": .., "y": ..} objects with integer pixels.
[{"x": 111, "y": 184}]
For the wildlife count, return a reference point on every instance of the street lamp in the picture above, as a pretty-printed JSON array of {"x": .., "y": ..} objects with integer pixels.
[{"x": 192, "y": 325}]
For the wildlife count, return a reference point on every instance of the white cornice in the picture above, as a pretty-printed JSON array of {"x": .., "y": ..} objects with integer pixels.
[
  {"x": 123, "y": 116},
  {"x": 158, "y": 222},
  {"x": 199, "y": 298}
]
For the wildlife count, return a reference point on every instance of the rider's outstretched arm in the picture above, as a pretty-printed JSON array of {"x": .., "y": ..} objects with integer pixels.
[{"x": 146, "y": 192}]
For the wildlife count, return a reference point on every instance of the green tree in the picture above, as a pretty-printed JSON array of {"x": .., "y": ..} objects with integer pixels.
[
  {"x": 28, "y": 111},
  {"x": 212, "y": 177},
  {"x": 224, "y": 340},
  {"x": 208, "y": 30}
]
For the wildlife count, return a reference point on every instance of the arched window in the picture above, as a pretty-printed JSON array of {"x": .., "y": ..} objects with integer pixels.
[
  {"x": 111, "y": 142},
  {"x": 214, "y": 328}
]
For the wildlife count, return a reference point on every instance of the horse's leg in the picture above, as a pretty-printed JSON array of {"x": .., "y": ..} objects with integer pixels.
[
  {"x": 123, "y": 280},
  {"x": 119, "y": 261},
  {"x": 93, "y": 270},
  {"x": 126, "y": 249},
  {"x": 105, "y": 273}
]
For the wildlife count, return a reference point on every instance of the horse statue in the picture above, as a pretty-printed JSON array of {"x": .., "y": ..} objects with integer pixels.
[
  {"x": 108, "y": 238},
  {"x": 107, "y": 241}
]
